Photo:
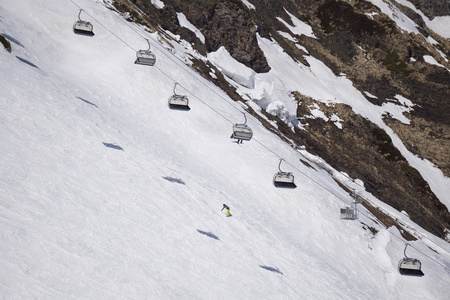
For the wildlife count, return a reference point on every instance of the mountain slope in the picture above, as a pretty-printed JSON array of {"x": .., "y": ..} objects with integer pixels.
[
  {"x": 108, "y": 194},
  {"x": 390, "y": 56}
]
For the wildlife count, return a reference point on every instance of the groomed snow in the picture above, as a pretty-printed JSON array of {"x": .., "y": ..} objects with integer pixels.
[{"x": 106, "y": 193}]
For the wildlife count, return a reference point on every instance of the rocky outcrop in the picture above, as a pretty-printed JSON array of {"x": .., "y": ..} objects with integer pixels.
[
  {"x": 355, "y": 38},
  {"x": 432, "y": 8},
  {"x": 365, "y": 151}
]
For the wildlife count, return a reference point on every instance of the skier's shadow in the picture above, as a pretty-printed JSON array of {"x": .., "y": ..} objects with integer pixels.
[
  {"x": 113, "y": 146},
  {"x": 208, "y": 234},
  {"x": 88, "y": 102},
  {"x": 27, "y": 62},
  {"x": 272, "y": 269},
  {"x": 175, "y": 180}
]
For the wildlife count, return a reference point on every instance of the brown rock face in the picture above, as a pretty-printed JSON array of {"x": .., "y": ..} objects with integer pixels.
[
  {"x": 228, "y": 24},
  {"x": 365, "y": 151},
  {"x": 433, "y": 8},
  {"x": 223, "y": 23},
  {"x": 355, "y": 38}
]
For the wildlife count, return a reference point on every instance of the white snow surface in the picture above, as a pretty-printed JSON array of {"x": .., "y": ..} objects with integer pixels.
[
  {"x": 231, "y": 68},
  {"x": 185, "y": 23},
  {"x": 106, "y": 193},
  {"x": 157, "y": 3},
  {"x": 319, "y": 82},
  {"x": 402, "y": 21},
  {"x": 248, "y": 4},
  {"x": 299, "y": 27},
  {"x": 440, "y": 24},
  {"x": 430, "y": 59}
]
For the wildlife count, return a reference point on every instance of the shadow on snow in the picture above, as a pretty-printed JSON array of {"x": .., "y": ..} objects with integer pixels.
[
  {"x": 113, "y": 146},
  {"x": 209, "y": 234},
  {"x": 27, "y": 62},
  {"x": 10, "y": 38},
  {"x": 175, "y": 180},
  {"x": 271, "y": 269},
  {"x": 88, "y": 102}
]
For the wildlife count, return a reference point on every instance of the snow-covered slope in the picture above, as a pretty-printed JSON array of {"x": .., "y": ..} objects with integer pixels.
[{"x": 106, "y": 193}]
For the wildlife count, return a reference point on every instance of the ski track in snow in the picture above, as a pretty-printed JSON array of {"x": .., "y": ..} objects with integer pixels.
[{"x": 83, "y": 220}]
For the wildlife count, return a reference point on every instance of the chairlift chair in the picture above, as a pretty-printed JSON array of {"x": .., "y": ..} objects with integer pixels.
[
  {"x": 348, "y": 213},
  {"x": 283, "y": 179},
  {"x": 351, "y": 212},
  {"x": 242, "y": 131},
  {"x": 179, "y": 102},
  {"x": 410, "y": 266},
  {"x": 145, "y": 57},
  {"x": 83, "y": 27}
]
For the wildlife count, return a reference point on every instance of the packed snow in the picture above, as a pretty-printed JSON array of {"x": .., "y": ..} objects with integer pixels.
[{"x": 106, "y": 193}]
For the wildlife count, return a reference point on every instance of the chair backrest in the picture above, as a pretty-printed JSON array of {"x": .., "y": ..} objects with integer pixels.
[
  {"x": 242, "y": 132},
  {"x": 348, "y": 213}
]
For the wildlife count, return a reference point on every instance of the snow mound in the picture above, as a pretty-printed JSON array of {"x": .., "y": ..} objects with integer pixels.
[{"x": 231, "y": 68}]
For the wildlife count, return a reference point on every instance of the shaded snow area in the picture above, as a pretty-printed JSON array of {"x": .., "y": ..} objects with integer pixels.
[{"x": 106, "y": 193}]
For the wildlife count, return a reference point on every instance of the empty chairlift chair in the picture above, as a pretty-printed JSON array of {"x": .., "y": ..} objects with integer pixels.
[
  {"x": 283, "y": 179},
  {"x": 242, "y": 132},
  {"x": 351, "y": 212},
  {"x": 410, "y": 266},
  {"x": 179, "y": 102},
  {"x": 145, "y": 57},
  {"x": 83, "y": 27}
]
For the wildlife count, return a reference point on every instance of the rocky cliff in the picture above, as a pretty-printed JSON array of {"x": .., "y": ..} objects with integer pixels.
[
  {"x": 433, "y": 8},
  {"x": 358, "y": 39}
]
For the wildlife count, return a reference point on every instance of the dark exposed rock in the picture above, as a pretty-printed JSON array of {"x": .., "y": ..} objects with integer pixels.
[
  {"x": 410, "y": 13},
  {"x": 433, "y": 8},
  {"x": 355, "y": 38},
  {"x": 366, "y": 151},
  {"x": 227, "y": 24}
]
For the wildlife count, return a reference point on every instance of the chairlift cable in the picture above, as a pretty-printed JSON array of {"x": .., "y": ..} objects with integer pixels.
[{"x": 192, "y": 72}]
